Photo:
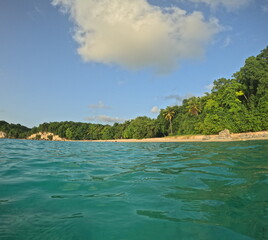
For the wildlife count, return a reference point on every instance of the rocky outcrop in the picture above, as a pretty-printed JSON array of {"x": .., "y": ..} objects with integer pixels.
[
  {"x": 3, "y": 135},
  {"x": 46, "y": 136},
  {"x": 224, "y": 134}
]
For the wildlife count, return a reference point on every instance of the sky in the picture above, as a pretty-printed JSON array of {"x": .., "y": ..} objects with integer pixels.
[{"x": 107, "y": 61}]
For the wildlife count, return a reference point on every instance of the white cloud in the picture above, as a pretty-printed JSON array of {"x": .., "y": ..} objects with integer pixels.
[
  {"x": 209, "y": 87},
  {"x": 174, "y": 96},
  {"x": 228, "y": 4},
  {"x": 135, "y": 34},
  {"x": 155, "y": 109},
  {"x": 178, "y": 98},
  {"x": 106, "y": 119},
  {"x": 99, "y": 105}
]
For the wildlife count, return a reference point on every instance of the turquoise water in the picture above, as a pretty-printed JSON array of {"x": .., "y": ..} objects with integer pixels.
[{"x": 126, "y": 191}]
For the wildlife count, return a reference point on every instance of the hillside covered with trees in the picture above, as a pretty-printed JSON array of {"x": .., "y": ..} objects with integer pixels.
[
  {"x": 239, "y": 104},
  {"x": 14, "y": 130}
]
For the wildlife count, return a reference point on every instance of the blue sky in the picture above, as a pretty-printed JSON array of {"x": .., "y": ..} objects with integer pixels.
[{"x": 108, "y": 61}]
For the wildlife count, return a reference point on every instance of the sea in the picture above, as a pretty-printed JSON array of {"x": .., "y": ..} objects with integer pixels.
[{"x": 126, "y": 191}]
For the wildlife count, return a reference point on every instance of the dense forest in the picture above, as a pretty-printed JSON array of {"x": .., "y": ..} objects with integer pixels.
[
  {"x": 14, "y": 130},
  {"x": 239, "y": 104}
]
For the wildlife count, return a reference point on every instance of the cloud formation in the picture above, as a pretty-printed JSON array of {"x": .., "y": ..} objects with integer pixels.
[
  {"x": 106, "y": 119},
  {"x": 174, "y": 96},
  {"x": 135, "y": 34},
  {"x": 155, "y": 109},
  {"x": 228, "y": 4},
  {"x": 209, "y": 87},
  {"x": 99, "y": 105},
  {"x": 178, "y": 98}
]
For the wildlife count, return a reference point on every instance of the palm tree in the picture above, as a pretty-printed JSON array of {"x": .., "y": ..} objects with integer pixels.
[
  {"x": 169, "y": 115},
  {"x": 193, "y": 106}
]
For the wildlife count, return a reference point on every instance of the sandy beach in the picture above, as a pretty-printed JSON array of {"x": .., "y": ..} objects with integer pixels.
[
  {"x": 223, "y": 136},
  {"x": 263, "y": 135}
]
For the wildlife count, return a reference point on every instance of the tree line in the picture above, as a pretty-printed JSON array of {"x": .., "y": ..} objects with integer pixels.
[
  {"x": 14, "y": 130},
  {"x": 239, "y": 104}
]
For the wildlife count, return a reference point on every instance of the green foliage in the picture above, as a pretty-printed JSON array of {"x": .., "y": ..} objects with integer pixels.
[
  {"x": 14, "y": 130},
  {"x": 141, "y": 127},
  {"x": 194, "y": 106},
  {"x": 50, "y": 137},
  {"x": 37, "y": 137},
  {"x": 169, "y": 114},
  {"x": 107, "y": 132},
  {"x": 239, "y": 104},
  {"x": 69, "y": 133}
]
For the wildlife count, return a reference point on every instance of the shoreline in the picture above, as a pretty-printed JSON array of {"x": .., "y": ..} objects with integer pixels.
[
  {"x": 224, "y": 136},
  {"x": 233, "y": 137}
]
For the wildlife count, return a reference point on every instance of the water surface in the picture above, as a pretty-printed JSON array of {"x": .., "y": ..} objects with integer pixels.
[{"x": 127, "y": 191}]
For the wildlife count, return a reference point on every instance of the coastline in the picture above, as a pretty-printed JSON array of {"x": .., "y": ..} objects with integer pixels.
[
  {"x": 224, "y": 136},
  {"x": 263, "y": 135}
]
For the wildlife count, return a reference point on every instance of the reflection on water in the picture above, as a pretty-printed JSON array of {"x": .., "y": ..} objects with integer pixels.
[{"x": 69, "y": 190}]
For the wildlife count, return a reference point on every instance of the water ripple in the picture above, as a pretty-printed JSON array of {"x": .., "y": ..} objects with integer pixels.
[{"x": 71, "y": 190}]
